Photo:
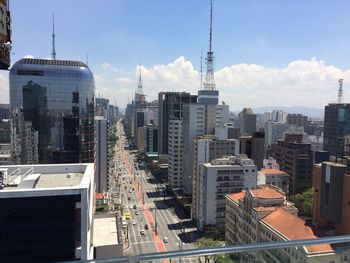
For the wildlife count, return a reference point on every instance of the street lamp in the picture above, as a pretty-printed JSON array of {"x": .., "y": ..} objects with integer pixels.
[
  {"x": 155, "y": 221},
  {"x": 180, "y": 248}
]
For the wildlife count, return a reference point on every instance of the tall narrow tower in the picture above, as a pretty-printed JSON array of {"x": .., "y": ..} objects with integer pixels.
[
  {"x": 139, "y": 96},
  {"x": 208, "y": 94},
  {"x": 53, "y": 54},
  {"x": 340, "y": 91},
  {"x": 209, "y": 81}
]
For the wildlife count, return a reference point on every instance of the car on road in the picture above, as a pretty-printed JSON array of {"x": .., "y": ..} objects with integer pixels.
[
  {"x": 146, "y": 227},
  {"x": 124, "y": 224},
  {"x": 133, "y": 222},
  {"x": 165, "y": 240},
  {"x": 142, "y": 232},
  {"x": 129, "y": 198},
  {"x": 136, "y": 212},
  {"x": 151, "y": 209},
  {"x": 129, "y": 191},
  {"x": 135, "y": 206},
  {"x": 130, "y": 206}
]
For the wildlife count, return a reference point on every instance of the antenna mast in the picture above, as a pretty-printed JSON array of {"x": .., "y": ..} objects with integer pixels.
[
  {"x": 201, "y": 85},
  {"x": 53, "y": 54},
  {"x": 139, "y": 86},
  {"x": 340, "y": 91},
  {"x": 209, "y": 81}
]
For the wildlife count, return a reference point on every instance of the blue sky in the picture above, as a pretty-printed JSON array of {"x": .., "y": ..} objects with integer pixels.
[{"x": 250, "y": 37}]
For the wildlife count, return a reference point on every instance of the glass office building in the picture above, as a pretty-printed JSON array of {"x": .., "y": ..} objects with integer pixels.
[{"x": 56, "y": 99}]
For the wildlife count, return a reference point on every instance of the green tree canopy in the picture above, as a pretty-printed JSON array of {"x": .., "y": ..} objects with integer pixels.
[{"x": 303, "y": 202}]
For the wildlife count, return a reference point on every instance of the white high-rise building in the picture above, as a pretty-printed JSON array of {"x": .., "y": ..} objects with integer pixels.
[
  {"x": 274, "y": 131},
  {"x": 175, "y": 153},
  {"x": 205, "y": 149},
  {"x": 193, "y": 125},
  {"x": 279, "y": 116},
  {"x": 218, "y": 178}
]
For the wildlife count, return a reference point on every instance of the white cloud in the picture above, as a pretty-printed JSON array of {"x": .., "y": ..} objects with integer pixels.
[
  {"x": 307, "y": 83},
  {"x": 310, "y": 83},
  {"x": 124, "y": 80}
]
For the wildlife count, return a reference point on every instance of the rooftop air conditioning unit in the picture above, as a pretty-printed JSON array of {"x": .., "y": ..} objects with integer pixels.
[{"x": 3, "y": 177}]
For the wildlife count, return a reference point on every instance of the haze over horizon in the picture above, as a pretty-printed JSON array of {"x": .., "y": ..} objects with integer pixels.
[{"x": 278, "y": 55}]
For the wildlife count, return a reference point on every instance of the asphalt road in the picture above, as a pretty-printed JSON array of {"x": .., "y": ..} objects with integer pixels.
[{"x": 175, "y": 227}]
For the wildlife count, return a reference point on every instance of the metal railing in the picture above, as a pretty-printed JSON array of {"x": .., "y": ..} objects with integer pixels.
[{"x": 225, "y": 250}]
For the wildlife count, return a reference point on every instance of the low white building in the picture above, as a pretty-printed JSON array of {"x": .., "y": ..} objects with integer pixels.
[
  {"x": 274, "y": 177},
  {"x": 270, "y": 163},
  {"x": 218, "y": 178},
  {"x": 47, "y": 210}
]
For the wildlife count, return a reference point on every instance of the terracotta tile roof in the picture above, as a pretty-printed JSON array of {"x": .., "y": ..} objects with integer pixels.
[
  {"x": 264, "y": 208},
  {"x": 236, "y": 196},
  {"x": 272, "y": 171},
  {"x": 293, "y": 228},
  {"x": 267, "y": 191}
]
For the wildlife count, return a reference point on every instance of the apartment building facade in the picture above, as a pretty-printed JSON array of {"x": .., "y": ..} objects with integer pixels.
[
  {"x": 216, "y": 179},
  {"x": 205, "y": 149},
  {"x": 265, "y": 215}
]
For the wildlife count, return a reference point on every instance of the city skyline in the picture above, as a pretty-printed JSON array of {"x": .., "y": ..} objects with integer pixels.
[{"x": 274, "y": 55}]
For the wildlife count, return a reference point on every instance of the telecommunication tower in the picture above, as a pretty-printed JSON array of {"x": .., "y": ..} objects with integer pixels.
[
  {"x": 209, "y": 81},
  {"x": 53, "y": 54},
  {"x": 340, "y": 91}
]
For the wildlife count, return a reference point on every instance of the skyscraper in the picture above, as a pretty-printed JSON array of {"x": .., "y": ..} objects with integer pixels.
[
  {"x": 336, "y": 127},
  {"x": 170, "y": 106},
  {"x": 248, "y": 121},
  {"x": 296, "y": 159},
  {"x": 5, "y": 35},
  {"x": 57, "y": 98},
  {"x": 101, "y": 154}
]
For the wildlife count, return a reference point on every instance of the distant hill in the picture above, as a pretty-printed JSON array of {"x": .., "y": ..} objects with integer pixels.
[{"x": 310, "y": 112}]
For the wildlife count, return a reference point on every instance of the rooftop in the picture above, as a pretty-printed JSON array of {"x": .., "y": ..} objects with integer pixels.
[
  {"x": 267, "y": 191},
  {"x": 19, "y": 178},
  {"x": 293, "y": 228},
  {"x": 53, "y": 62},
  {"x": 272, "y": 171},
  {"x": 105, "y": 231},
  {"x": 58, "y": 180},
  {"x": 236, "y": 196}
]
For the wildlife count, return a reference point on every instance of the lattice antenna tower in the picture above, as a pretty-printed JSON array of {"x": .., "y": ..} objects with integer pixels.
[
  {"x": 53, "y": 54},
  {"x": 139, "y": 86},
  {"x": 201, "y": 83},
  {"x": 209, "y": 81},
  {"x": 340, "y": 91}
]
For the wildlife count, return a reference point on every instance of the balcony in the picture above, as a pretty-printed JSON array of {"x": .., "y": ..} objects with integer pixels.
[{"x": 244, "y": 250}]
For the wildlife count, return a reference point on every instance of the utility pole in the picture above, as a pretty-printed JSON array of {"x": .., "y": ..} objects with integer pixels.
[{"x": 180, "y": 248}]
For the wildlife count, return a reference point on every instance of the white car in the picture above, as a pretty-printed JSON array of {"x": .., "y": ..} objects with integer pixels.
[
  {"x": 133, "y": 222},
  {"x": 165, "y": 240},
  {"x": 142, "y": 232},
  {"x": 130, "y": 206},
  {"x": 124, "y": 224}
]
